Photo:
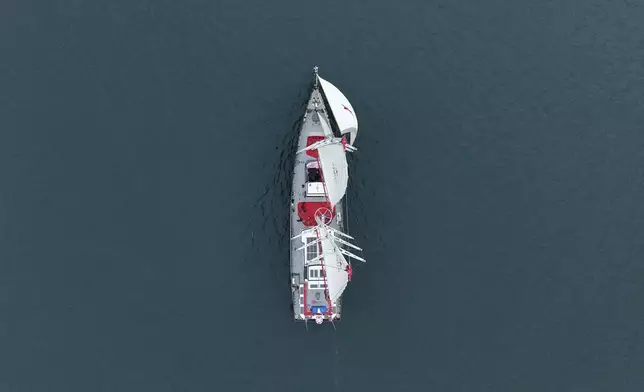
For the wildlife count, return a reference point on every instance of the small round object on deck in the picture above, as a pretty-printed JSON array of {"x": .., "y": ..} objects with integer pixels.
[{"x": 323, "y": 216}]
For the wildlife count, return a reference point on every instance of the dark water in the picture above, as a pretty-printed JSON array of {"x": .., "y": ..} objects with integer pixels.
[{"x": 498, "y": 193}]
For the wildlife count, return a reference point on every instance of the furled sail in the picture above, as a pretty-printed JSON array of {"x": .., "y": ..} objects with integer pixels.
[
  {"x": 326, "y": 128},
  {"x": 341, "y": 108}
]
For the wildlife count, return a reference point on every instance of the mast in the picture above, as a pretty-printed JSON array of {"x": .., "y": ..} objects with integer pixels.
[
  {"x": 331, "y": 257},
  {"x": 327, "y": 232}
]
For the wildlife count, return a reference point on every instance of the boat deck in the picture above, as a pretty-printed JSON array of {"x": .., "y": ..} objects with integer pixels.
[{"x": 307, "y": 197}]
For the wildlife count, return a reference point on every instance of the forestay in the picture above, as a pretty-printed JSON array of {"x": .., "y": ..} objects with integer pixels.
[{"x": 341, "y": 108}]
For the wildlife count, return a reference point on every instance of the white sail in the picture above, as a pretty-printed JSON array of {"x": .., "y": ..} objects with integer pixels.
[
  {"x": 335, "y": 171},
  {"x": 335, "y": 266},
  {"x": 332, "y": 257},
  {"x": 341, "y": 108}
]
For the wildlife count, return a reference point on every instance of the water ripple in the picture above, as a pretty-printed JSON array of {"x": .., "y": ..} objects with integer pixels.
[{"x": 267, "y": 235}]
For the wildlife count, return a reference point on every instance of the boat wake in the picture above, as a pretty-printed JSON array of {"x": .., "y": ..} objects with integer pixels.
[{"x": 269, "y": 234}]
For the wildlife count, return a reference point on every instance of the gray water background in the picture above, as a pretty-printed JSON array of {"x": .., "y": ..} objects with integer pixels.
[{"x": 497, "y": 192}]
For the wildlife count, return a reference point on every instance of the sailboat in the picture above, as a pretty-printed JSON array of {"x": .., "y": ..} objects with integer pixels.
[{"x": 321, "y": 249}]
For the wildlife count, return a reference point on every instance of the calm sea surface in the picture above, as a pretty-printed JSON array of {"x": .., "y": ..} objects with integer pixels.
[{"x": 498, "y": 192}]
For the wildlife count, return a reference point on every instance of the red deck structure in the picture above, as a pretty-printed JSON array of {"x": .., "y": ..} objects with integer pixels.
[
  {"x": 311, "y": 140},
  {"x": 306, "y": 211}
]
